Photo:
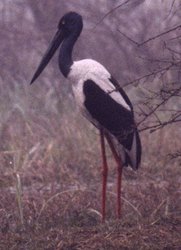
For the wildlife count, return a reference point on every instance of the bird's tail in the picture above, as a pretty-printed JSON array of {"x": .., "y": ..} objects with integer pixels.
[{"x": 133, "y": 154}]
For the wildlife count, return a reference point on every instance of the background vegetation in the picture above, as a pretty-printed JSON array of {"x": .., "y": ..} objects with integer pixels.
[{"x": 50, "y": 166}]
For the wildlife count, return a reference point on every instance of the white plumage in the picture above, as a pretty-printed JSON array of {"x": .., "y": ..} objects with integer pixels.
[{"x": 89, "y": 69}]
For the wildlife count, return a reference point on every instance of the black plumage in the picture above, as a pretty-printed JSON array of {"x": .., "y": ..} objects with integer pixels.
[{"x": 112, "y": 116}]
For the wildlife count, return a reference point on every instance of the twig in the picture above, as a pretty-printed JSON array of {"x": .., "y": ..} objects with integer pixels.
[
  {"x": 128, "y": 37},
  {"x": 109, "y": 12},
  {"x": 159, "y": 35},
  {"x": 155, "y": 127},
  {"x": 153, "y": 73}
]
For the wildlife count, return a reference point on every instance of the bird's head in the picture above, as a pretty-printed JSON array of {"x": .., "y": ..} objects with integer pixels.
[{"x": 70, "y": 24}]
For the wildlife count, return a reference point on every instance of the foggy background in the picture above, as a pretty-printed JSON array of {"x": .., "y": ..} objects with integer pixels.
[
  {"x": 49, "y": 147},
  {"x": 112, "y": 33}
]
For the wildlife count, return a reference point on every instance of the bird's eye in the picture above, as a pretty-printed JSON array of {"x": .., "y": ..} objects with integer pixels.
[{"x": 61, "y": 24}]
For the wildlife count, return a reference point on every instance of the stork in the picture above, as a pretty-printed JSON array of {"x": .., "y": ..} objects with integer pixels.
[{"x": 100, "y": 99}]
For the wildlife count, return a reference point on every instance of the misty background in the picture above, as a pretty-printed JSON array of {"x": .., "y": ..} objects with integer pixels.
[
  {"x": 50, "y": 164},
  {"x": 114, "y": 34}
]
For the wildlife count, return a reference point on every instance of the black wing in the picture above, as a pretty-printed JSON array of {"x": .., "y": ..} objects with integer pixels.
[{"x": 114, "y": 117}]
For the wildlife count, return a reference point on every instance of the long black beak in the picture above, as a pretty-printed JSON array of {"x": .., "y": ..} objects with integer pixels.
[{"x": 57, "y": 40}]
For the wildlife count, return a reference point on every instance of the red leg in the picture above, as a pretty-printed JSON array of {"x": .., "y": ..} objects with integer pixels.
[
  {"x": 104, "y": 174},
  {"x": 119, "y": 176},
  {"x": 119, "y": 179}
]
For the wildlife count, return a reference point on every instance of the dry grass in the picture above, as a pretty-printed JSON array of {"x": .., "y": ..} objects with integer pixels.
[
  {"x": 51, "y": 186},
  {"x": 50, "y": 180}
]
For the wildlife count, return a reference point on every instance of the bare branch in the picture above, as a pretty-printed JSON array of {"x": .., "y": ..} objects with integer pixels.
[
  {"x": 153, "y": 73},
  {"x": 155, "y": 127},
  {"x": 159, "y": 35},
  {"x": 133, "y": 41},
  {"x": 173, "y": 93},
  {"x": 110, "y": 12}
]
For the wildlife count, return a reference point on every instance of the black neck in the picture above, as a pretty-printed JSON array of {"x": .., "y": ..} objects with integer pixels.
[{"x": 65, "y": 55}]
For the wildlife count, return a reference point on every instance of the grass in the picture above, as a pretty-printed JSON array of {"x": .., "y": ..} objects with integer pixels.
[{"x": 50, "y": 180}]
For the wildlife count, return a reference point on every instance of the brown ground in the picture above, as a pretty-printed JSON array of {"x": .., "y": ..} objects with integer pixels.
[{"x": 61, "y": 192}]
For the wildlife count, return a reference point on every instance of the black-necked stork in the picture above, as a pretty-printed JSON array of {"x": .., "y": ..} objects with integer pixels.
[{"x": 100, "y": 99}]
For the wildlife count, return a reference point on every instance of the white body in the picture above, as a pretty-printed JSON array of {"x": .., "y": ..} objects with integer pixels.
[{"x": 89, "y": 69}]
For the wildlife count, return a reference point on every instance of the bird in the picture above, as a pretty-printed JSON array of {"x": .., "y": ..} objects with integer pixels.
[{"x": 100, "y": 99}]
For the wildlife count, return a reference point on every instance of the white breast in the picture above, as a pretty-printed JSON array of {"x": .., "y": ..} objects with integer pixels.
[{"x": 88, "y": 69}]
